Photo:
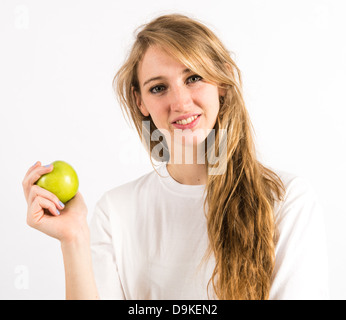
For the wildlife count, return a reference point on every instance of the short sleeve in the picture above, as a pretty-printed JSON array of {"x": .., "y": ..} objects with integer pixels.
[
  {"x": 301, "y": 270},
  {"x": 103, "y": 255}
]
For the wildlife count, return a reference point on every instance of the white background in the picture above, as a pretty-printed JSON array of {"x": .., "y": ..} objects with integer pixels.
[{"x": 57, "y": 62}]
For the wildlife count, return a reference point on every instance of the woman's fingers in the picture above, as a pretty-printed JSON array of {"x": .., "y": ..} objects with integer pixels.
[
  {"x": 36, "y": 191},
  {"x": 40, "y": 201},
  {"x": 37, "y": 163},
  {"x": 36, "y": 211},
  {"x": 30, "y": 170},
  {"x": 33, "y": 174},
  {"x": 37, "y": 172}
]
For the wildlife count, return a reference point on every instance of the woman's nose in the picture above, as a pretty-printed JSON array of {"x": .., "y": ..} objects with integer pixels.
[{"x": 180, "y": 99}]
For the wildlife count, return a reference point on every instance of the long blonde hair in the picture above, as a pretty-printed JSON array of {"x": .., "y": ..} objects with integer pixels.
[{"x": 240, "y": 217}]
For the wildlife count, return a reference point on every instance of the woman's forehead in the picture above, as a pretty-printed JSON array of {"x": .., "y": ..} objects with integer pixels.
[{"x": 157, "y": 60}]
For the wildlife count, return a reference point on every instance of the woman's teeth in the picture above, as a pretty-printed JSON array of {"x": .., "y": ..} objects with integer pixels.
[{"x": 187, "y": 121}]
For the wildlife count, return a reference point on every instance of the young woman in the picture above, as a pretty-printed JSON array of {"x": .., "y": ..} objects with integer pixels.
[{"x": 210, "y": 222}]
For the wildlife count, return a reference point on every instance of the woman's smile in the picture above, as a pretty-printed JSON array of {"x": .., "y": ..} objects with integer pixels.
[{"x": 187, "y": 123}]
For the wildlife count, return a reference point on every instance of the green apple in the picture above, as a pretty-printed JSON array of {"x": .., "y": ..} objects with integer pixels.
[{"x": 62, "y": 181}]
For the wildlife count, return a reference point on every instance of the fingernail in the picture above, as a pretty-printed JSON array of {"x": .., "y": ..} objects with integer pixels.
[
  {"x": 35, "y": 164},
  {"x": 61, "y": 204},
  {"x": 47, "y": 166},
  {"x": 58, "y": 212}
]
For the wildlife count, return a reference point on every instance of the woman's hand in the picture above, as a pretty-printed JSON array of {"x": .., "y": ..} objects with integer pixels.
[{"x": 47, "y": 214}]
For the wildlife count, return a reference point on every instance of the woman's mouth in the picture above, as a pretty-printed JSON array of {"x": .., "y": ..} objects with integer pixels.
[{"x": 188, "y": 123}]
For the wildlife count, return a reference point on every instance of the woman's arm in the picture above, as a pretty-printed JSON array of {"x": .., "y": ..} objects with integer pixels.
[
  {"x": 68, "y": 224},
  {"x": 79, "y": 276}
]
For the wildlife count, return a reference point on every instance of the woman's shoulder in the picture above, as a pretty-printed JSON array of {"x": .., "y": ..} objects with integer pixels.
[
  {"x": 300, "y": 200},
  {"x": 290, "y": 179},
  {"x": 295, "y": 185}
]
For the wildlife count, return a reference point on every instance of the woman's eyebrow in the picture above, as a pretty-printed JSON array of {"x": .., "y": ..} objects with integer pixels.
[
  {"x": 152, "y": 79},
  {"x": 162, "y": 77}
]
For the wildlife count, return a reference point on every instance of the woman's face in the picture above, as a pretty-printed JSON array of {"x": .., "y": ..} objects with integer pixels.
[{"x": 178, "y": 100}]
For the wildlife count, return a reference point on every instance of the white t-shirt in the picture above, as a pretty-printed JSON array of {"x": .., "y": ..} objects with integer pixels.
[{"x": 149, "y": 236}]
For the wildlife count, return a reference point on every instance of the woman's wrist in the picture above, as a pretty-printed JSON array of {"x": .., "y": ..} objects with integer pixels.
[
  {"x": 76, "y": 246},
  {"x": 78, "y": 238}
]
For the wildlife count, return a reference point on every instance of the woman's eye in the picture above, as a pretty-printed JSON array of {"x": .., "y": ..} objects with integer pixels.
[
  {"x": 157, "y": 89},
  {"x": 194, "y": 78}
]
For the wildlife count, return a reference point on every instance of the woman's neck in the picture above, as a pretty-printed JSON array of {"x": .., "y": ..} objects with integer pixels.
[
  {"x": 187, "y": 164},
  {"x": 190, "y": 174}
]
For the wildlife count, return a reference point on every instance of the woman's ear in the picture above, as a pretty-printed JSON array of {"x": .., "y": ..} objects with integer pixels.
[
  {"x": 139, "y": 102},
  {"x": 222, "y": 92}
]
